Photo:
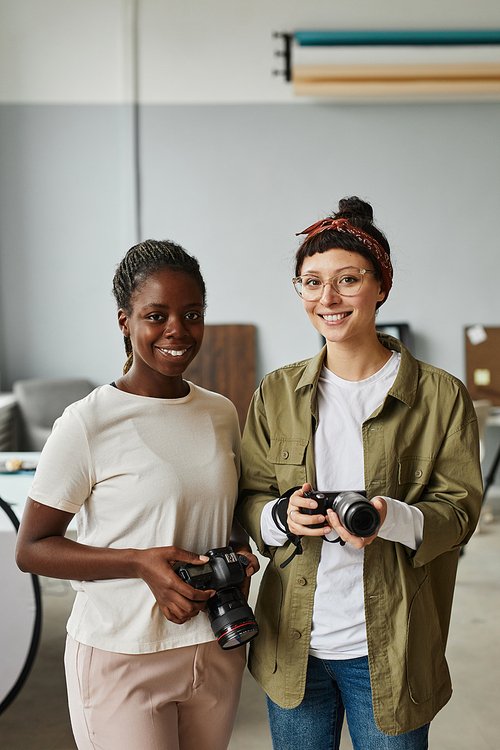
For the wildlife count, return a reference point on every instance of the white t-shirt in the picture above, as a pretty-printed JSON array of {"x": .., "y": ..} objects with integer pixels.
[
  {"x": 338, "y": 622},
  {"x": 141, "y": 472}
]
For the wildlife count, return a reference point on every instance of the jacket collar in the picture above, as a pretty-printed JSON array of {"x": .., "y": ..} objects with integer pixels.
[
  {"x": 312, "y": 371},
  {"x": 404, "y": 387}
]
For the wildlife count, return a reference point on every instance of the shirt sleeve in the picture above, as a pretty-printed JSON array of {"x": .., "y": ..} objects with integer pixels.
[
  {"x": 403, "y": 523},
  {"x": 63, "y": 478},
  {"x": 270, "y": 533}
]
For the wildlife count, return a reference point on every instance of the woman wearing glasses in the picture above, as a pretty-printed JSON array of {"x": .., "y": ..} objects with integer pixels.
[{"x": 349, "y": 622}]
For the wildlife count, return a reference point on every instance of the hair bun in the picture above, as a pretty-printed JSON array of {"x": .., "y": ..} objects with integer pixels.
[{"x": 353, "y": 208}]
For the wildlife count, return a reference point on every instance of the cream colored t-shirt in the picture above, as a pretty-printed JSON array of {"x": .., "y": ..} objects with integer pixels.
[{"x": 141, "y": 472}]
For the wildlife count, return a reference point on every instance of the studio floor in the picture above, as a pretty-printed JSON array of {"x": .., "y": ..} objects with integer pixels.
[{"x": 38, "y": 718}]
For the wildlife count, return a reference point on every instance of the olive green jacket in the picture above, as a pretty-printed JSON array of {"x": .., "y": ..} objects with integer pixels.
[{"x": 421, "y": 447}]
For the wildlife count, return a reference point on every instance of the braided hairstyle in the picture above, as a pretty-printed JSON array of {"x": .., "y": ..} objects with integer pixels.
[
  {"x": 359, "y": 214},
  {"x": 139, "y": 263}
]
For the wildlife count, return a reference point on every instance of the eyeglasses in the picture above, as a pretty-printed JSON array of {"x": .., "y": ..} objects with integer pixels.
[{"x": 347, "y": 284}]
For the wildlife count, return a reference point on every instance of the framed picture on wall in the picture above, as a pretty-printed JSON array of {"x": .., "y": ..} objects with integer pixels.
[{"x": 400, "y": 331}]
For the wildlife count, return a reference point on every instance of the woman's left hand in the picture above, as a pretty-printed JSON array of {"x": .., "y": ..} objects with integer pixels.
[
  {"x": 252, "y": 567},
  {"x": 357, "y": 541}
]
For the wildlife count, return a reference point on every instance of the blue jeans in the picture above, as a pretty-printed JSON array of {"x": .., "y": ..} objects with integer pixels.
[{"x": 316, "y": 724}]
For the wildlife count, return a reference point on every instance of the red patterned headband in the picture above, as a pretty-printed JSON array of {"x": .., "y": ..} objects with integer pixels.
[{"x": 342, "y": 225}]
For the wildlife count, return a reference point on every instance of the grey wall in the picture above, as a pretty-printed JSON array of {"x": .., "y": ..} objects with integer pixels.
[
  {"x": 233, "y": 183},
  {"x": 62, "y": 213}
]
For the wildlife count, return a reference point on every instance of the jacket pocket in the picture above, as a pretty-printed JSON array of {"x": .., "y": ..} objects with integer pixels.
[
  {"x": 426, "y": 667},
  {"x": 288, "y": 457},
  {"x": 415, "y": 470}
]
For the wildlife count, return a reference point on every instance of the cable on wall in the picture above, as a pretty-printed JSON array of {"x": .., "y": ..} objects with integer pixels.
[
  {"x": 131, "y": 71},
  {"x": 136, "y": 119}
]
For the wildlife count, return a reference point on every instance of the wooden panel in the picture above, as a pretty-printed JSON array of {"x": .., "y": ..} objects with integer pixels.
[{"x": 226, "y": 364}]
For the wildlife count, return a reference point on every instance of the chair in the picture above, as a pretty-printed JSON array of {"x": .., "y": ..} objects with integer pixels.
[{"x": 41, "y": 401}]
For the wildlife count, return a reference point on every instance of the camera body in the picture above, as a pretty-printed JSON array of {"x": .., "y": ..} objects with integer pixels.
[
  {"x": 232, "y": 620},
  {"x": 355, "y": 512}
]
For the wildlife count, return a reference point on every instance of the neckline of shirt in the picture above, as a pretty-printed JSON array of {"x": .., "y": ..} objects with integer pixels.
[
  {"x": 392, "y": 365},
  {"x": 167, "y": 401}
]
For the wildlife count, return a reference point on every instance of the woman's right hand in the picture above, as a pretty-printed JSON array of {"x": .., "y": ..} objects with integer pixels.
[
  {"x": 298, "y": 522},
  {"x": 178, "y": 601}
]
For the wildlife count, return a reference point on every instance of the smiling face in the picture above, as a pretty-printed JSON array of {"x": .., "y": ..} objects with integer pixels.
[
  {"x": 165, "y": 327},
  {"x": 343, "y": 320}
]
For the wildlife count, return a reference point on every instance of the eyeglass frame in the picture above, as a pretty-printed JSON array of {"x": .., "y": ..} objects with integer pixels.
[{"x": 329, "y": 281}]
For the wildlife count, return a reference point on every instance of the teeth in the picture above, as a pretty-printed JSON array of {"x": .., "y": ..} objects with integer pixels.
[
  {"x": 333, "y": 318},
  {"x": 175, "y": 352}
]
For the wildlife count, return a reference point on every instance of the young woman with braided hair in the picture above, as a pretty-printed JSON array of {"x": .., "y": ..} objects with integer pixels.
[
  {"x": 359, "y": 625},
  {"x": 149, "y": 464}
]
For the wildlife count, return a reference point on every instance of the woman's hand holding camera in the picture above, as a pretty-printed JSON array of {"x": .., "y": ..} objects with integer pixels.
[
  {"x": 300, "y": 523},
  {"x": 178, "y": 601},
  {"x": 358, "y": 541}
]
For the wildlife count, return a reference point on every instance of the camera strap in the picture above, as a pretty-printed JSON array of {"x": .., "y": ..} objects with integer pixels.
[
  {"x": 338, "y": 540},
  {"x": 280, "y": 518}
]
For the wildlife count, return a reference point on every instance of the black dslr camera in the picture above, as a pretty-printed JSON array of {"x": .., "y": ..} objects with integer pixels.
[
  {"x": 355, "y": 512},
  {"x": 231, "y": 618}
]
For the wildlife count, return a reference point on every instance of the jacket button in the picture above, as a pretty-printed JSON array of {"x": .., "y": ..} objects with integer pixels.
[
  {"x": 296, "y": 635},
  {"x": 418, "y": 473},
  {"x": 301, "y": 581},
  {"x": 285, "y": 454}
]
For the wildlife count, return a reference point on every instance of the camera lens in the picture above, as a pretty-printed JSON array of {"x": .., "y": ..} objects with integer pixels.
[
  {"x": 356, "y": 514},
  {"x": 232, "y": 619},
  {"x": 363, "y": 521}
]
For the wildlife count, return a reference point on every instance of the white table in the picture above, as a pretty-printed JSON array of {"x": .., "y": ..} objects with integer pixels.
[{"x": 14, "y": 486}]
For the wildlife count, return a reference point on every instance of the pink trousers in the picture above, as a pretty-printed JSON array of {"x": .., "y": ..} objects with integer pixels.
[{"x": 181, "y": 699}]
